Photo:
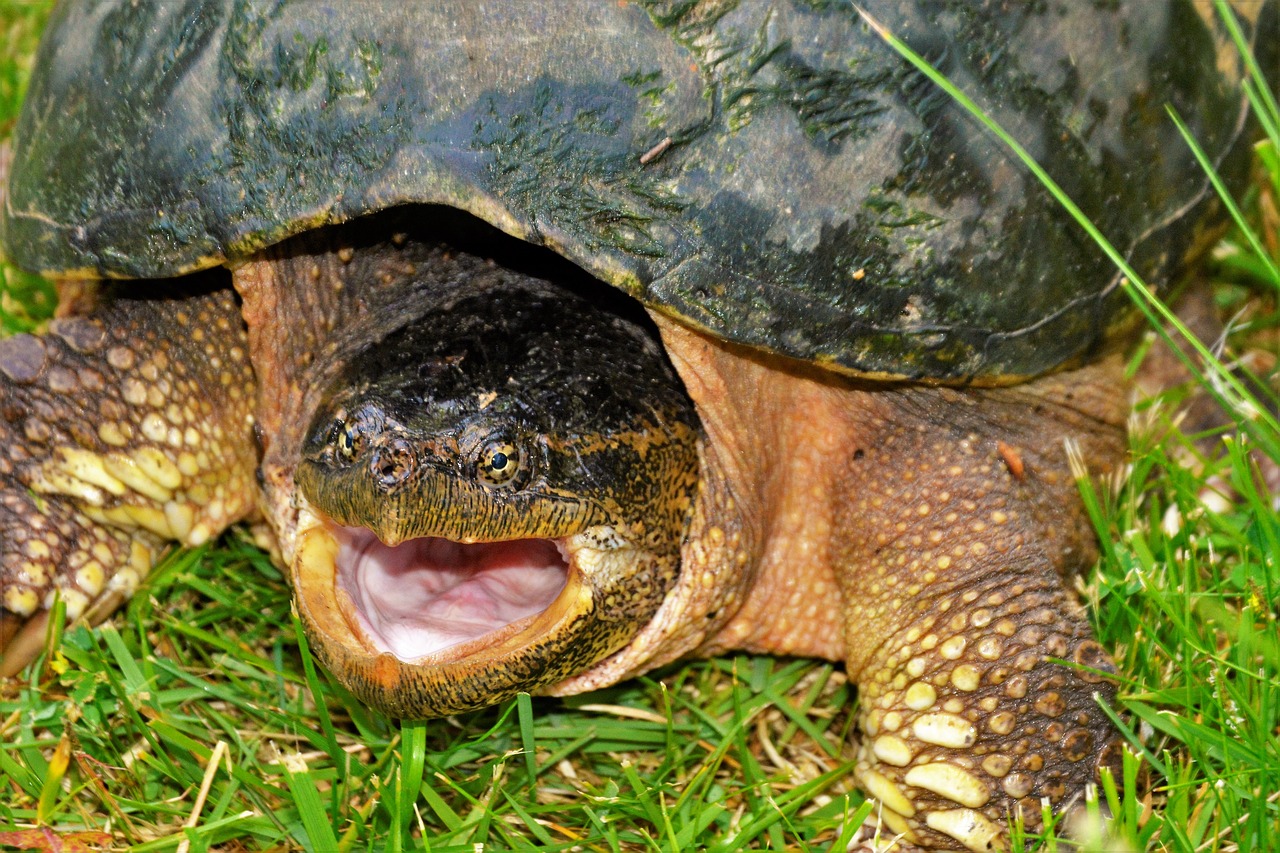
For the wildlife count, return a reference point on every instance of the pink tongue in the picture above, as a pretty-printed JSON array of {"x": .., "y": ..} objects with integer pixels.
[{"x": 427, "y": 594}]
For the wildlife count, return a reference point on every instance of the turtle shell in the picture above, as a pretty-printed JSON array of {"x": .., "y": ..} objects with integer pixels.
[{"x": 773, "y": 173}]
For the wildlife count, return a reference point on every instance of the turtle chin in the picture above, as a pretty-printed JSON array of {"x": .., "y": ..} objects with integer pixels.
[{"x": 432, "y": 626}]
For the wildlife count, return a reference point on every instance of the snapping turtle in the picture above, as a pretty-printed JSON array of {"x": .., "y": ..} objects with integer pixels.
[{"x": 885, "y": 328}]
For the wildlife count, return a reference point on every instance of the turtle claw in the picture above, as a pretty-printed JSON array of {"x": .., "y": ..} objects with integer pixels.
[
  {"x": 968, "y": 719},
  {"x": 20, "y": 640},
  {"x": 120, "y": 432}
]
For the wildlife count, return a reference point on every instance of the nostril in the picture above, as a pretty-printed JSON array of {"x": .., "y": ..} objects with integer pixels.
[{"x": 392, "y": 463}]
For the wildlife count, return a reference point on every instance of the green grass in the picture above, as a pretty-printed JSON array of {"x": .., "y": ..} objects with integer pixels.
[
  {"x": 119, "y": 730},
  {"x": 663, "y": 765}
]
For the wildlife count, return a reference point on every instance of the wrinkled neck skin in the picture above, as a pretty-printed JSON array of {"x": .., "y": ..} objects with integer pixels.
[
  {"x": 780, "y": 540},
  {"x": 774, "y": 435}
]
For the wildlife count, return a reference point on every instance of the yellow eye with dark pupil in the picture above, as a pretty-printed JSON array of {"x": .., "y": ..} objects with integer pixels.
[
  {"x": 348, "y": 443},
  {"x": 499, "y": 463}
]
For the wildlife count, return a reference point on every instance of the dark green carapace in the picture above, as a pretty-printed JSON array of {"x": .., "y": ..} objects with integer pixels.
[{"x": 776, "y": 175}]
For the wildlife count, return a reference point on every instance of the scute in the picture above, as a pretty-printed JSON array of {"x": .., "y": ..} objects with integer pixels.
[{"x": 775, "y": 175}]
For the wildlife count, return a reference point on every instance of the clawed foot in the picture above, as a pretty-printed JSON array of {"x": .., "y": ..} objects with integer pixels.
[{"x": 120, "y": 432}]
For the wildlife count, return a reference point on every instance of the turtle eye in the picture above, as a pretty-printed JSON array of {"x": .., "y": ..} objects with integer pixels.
[
  {"x": 498, "y": 463},
  {"x": 347, "y": 441}
]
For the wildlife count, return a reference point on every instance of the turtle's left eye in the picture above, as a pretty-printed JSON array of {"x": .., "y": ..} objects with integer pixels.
[{"x": 498, "y": 463}]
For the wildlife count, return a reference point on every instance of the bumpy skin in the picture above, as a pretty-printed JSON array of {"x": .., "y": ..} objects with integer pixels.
[
  {"x": 959, "y": 531},
  {"x": 123, "y": 431},
  {"x": 946, "y": 525}
]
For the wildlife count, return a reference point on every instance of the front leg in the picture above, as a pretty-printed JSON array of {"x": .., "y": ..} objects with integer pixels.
[
  {"x": 120, "y": 431},
  {"x": 965, "y": 526}
]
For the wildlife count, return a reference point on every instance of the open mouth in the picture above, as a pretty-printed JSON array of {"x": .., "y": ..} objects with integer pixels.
[
  {"x": 426, "y": 595},
  {"x": 432, "y": 626}
]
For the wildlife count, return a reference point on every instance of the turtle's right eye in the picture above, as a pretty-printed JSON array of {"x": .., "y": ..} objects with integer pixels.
[
  {"x": 347, "y": 441},
  {"x": 347, "y": 444},
  {"x": 349, "y": 434}
]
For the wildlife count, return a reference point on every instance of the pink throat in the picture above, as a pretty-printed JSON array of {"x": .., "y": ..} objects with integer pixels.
[{"x": 425, "y": 595}]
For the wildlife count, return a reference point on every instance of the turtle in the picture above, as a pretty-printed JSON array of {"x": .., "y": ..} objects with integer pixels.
[{"x": 869, "y": 343}]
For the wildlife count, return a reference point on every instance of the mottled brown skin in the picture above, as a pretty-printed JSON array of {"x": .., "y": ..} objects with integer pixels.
[
  {"x": 927, "y": 537},
  {"x": 924, "y": 536}
]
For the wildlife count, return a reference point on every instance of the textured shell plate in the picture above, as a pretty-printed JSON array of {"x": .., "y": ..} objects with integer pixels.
[{"x": 774, "y": 173}]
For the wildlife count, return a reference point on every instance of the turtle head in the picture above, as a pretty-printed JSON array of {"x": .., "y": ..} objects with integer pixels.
[{"x": 493, "y": 500}]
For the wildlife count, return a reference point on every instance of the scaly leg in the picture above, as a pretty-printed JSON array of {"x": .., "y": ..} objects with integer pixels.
[
  {"x": 965, "y": 527},
  {"x": 120, "y": 431}
]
